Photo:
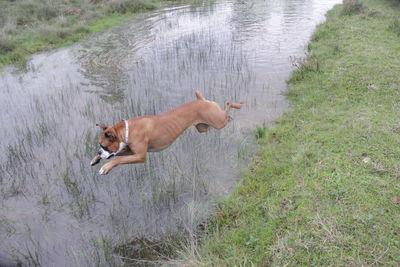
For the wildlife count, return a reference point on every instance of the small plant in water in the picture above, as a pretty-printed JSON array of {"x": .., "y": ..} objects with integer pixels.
[
  {"x": 260, "y": 131},
  {"x": 143, "y": 251}
]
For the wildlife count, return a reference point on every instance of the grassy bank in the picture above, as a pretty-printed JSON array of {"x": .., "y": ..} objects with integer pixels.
[
  {"x": 325, "y": 188},
  {"x": 31, "y": 26}
]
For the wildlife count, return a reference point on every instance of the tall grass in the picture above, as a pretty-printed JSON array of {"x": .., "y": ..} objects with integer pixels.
[{"x": 260, "y": 131}]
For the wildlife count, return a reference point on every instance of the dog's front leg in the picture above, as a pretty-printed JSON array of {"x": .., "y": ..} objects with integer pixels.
[{"x": 139, "y": 157}]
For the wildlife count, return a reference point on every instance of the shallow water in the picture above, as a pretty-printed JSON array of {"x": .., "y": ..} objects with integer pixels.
[{"x": 55, "y": 210}]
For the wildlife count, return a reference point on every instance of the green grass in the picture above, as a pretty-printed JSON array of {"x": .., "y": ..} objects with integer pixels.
[
  {"x": 322, "y": 191},
  {"x": 260, "y": 131},
  {"x": 28, "y": 27}
]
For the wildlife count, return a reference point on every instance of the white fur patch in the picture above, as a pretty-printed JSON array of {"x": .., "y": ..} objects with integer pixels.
[
  {"x": 122, "y": 147},
  {"x": 105, "y": 154}
]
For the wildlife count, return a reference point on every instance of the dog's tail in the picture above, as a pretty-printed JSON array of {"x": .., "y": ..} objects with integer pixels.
[{"x": 199, "y": 96}]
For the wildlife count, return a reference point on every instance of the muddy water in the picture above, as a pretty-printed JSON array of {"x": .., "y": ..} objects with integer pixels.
[{"x": 55, "y": 210}]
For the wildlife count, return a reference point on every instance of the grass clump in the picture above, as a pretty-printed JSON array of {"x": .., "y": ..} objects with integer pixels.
[
  {"x": 395, "y": 26},
  {"x": 325, "y": 189},
  {"x": 128, "y": 6},
  {"x": 260, "y": 131},
  {"x": 304, "y": 66},
  {"x": 6, "y": 44},
  {"x": 351, "y": 7}
]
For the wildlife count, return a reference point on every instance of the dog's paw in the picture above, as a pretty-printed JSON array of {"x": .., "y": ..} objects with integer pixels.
[
  {"x": 95, "y": 160},
  {"x": 105, "y": 169},
  {"x": 102, "y": 171}
]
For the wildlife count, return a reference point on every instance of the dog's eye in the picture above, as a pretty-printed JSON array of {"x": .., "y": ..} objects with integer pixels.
[{"x": 109, "y": 135}]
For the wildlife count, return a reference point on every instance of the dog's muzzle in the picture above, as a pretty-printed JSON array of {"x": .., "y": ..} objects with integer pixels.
[{"x": 104, "y": 154}]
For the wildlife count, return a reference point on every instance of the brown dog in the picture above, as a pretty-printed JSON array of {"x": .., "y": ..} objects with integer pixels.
[{"x": 133, "y": 138}]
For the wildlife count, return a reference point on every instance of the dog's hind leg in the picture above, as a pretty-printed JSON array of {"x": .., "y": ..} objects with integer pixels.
[
  {"x": 230, "y": 105},
  {"x": 221, "y": 117}
]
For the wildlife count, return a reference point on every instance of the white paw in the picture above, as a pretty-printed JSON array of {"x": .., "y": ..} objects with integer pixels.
[{"x": 102, "y": 171}]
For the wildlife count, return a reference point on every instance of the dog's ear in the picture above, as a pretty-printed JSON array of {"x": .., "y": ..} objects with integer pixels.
[
  {"x": 101, "y": 125},
  {"x": 110, "y": 135}
]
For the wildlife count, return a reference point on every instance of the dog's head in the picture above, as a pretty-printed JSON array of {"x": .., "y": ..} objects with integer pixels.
[
  {"x": 109, "y": 144},
  {"x": 109, "y": 140}
]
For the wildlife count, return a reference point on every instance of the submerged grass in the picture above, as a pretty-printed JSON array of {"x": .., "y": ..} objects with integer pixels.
[
  {"x": 325, "y": 188},
  {"x": 31, "y": 26}
]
